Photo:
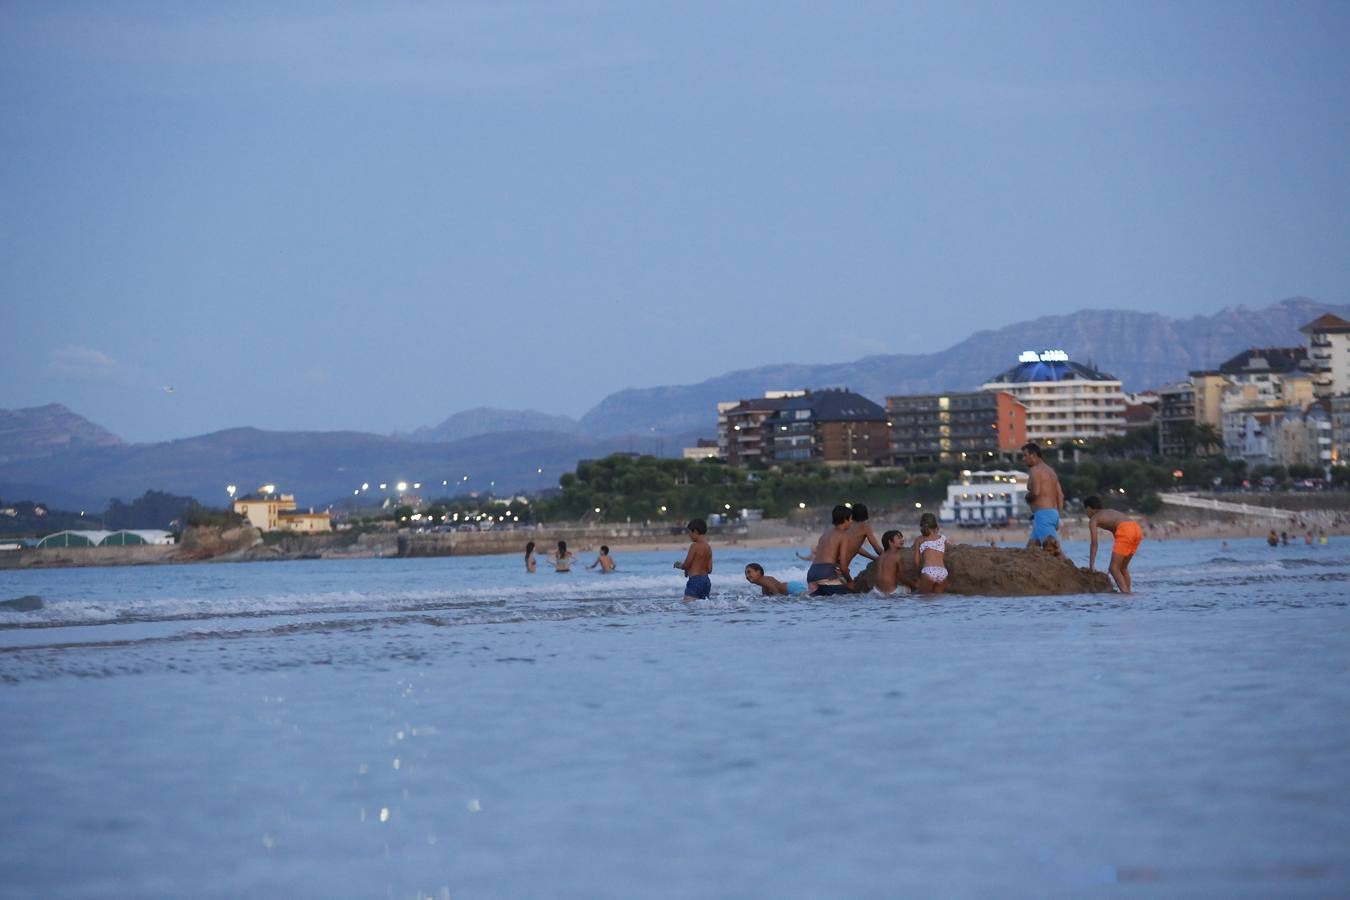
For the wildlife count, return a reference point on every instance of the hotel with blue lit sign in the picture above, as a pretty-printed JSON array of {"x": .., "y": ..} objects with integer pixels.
[{"x": 1067, "y": 403}]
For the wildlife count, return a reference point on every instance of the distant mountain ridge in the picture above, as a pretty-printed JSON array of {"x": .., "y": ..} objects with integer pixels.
[
  {"x": 486, "y": 420},
  {"x": 51, "y": 453},
  {"x": 320, "y": 467},
  {"x": 39, "y": 431},
  {"x": 1144, "y": 350}
]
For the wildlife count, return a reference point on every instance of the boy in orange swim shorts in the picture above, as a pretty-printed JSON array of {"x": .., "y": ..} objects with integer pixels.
[{"x": 1127, "y": 533}]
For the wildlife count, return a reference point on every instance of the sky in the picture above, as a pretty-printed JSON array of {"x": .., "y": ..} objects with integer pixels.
[{"x": 329, "y": 216}]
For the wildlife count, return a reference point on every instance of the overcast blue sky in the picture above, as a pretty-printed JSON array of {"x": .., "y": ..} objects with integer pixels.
[{"x": 370, "y": 216}]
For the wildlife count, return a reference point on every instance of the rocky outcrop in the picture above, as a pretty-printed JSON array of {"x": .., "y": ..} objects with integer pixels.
[
  {"x": 1009, "y": 572},
  {"x": 213, "y": 542}
]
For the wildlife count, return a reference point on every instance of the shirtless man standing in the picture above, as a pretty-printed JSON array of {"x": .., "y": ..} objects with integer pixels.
[
  {"x": 1127, "y": 533},
  {"x": 1045, "y": 495},
  {"x": 828, "y": 574}
]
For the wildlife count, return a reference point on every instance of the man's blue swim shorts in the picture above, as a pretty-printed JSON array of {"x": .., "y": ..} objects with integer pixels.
[{"x": 1044, "y": 524}]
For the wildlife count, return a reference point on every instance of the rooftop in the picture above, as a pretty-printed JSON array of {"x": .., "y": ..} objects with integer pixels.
[
  {"x": 835, "y": 405},
  {"x": 1327, "y": 323},
  {"x": 1051, "y": 370},
  {"x": 1280, "y": 360}
]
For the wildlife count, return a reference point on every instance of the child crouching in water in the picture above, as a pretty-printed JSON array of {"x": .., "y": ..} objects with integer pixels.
[
  {"x": 930, "y": 555},
  {"x": 768, "y": 585}
]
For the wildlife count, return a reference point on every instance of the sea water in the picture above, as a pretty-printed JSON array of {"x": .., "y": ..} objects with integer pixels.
[{"x": 459, "y": 727}]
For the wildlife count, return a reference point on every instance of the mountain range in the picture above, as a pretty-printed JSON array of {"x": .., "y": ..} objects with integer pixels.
[{"x": 50, "y": 453}]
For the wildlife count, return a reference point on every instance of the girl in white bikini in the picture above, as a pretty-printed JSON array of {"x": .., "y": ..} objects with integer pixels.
[{"x": 930, "y": 554}]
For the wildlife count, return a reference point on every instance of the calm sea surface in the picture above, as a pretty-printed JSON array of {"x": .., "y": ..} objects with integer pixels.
[{"x": 457, "y": 727}]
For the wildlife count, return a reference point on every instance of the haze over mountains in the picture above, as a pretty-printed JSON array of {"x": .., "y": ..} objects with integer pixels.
[{"x": 50, "y": 453}]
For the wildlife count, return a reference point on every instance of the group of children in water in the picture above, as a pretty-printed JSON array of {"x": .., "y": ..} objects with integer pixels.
[
  {"x": 849, "y": 536},
  {"x": 563, "y": 559}
]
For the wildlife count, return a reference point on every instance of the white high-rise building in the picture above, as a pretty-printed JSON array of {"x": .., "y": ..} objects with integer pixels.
[{"x": 1066, "y": 402}]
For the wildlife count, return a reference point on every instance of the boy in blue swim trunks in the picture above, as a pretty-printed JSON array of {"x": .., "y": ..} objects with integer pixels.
[
  {"x": 697, "y": 563},
  {"x": 828, "y": 574},
  {"x": 1044, "y": 494}
]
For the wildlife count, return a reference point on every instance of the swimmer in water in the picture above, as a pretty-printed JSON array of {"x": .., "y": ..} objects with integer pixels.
[
  {"x": 604, "y": 561},
  {"x": 562, "y": 560},
  {"x": 767, "y": 584}
]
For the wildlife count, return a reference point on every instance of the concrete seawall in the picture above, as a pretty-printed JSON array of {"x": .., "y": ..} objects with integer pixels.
[
  {"x": 475, "y": 543},
  {"x": 54, "y": 557},
  {"x": 342, "y": 545}
]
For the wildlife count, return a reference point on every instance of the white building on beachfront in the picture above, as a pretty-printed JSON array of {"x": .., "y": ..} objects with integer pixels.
[{"x": 986, "y": 497}]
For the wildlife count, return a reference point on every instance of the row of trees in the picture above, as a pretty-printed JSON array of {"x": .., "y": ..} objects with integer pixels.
[
  {"x": 153, "y": 509},
  {"x": 648, "y": 488}
]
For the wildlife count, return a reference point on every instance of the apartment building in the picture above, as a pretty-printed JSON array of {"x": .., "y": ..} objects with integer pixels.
[
  {"x": 965, "y": 427},
  {"x": 1329, "y": 355},
  {"x": 1065, "y": 401},
  {"x": 832, "y": 425},
  {"x": 1176, "y": 418}
]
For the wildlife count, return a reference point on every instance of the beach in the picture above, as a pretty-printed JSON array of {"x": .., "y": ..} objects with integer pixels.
[{"x": 455, "y": 726}]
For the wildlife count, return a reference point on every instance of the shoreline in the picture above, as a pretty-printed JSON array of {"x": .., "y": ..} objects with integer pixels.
[{"x": 771, "y": 536}]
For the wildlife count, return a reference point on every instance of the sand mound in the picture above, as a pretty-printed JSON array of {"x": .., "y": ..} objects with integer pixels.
[{"x": 1009, "y": 572}]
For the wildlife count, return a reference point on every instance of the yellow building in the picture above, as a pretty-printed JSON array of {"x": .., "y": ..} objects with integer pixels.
[
  {"x": 305, "y": 522},
  {"x": 1209, "y": 389},
  {"x": 277, "y": 512}
]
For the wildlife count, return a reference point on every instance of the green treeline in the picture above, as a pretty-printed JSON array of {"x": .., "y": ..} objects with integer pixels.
[
  {"x": 153, "y": 509},
  {"x": 647, "y": 488}
]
